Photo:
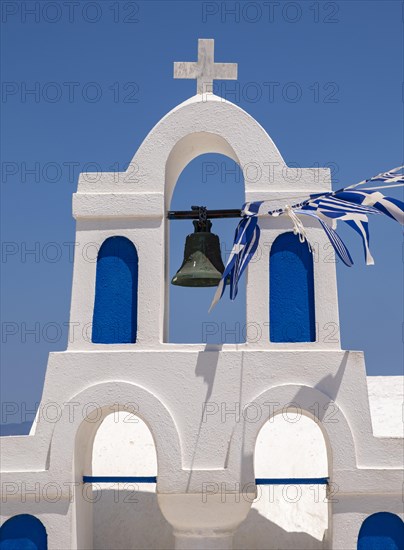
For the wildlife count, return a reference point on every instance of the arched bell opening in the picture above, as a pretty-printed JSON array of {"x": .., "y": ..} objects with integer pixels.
[
  {"x": 291, "y": 466},
  {"x": 215, "y": 181},
  {"x": 116, "y": 461}
]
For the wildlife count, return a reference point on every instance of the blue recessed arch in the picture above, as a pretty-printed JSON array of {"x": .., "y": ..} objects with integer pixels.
[
  {"x": 381, "y": 531},
  {"x": 292, "y": 312},
  {"x": 23, "y": 532},
  {"x": 116, "y": 285}
]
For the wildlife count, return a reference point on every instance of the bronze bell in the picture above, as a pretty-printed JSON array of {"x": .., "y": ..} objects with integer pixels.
[{"x": 202, "y": 265}]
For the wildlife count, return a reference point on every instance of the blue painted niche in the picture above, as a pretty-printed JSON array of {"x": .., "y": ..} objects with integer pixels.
[
  {"x": 23, "y": 532},
  {"x": 292, "y": 313},
  {"x": 381, "y": 531},
  {"x": 116, "y": 284}
]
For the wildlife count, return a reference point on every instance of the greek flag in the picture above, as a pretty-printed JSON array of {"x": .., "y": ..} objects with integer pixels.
[
  {"x": 246, "y": 241},
  {"x": 353, "y": 206},
  {"x": 350, "y": 204}
]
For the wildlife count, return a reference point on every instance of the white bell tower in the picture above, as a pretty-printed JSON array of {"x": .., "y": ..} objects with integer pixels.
[{"x": 134, "y": 204}]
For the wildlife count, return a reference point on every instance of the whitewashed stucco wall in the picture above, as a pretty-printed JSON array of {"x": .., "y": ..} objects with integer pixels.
[
  {"x": 386, "y": 395},
  {"x": 290, "y": 446}
]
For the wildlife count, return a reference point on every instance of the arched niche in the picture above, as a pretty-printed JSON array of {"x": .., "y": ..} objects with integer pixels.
[
  {"x": 289, "y": 446},
  {"x": 291, "y": 273},
  {"x": 116, "y": 284},
  {"x": 216, "y": 181},
  {"x": 71, "y": 450},
  {"x": 311, "y": 402},
  {"x": 23, "y": 532},
  {"x": 73, "y": 436},
  {"x": 114, "y": 442},
  {"x": 381, "y": 531},
  {"x": 124, "y": 446}
]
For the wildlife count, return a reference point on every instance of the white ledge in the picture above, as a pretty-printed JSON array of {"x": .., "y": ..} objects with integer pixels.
[{"x": 118, "y": 205}]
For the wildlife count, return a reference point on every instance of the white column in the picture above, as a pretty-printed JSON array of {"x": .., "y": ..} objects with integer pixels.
[{"x": 201, "y": 523}]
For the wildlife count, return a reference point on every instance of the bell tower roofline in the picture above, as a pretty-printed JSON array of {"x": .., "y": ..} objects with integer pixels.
[{"x": 206, "y": 123}]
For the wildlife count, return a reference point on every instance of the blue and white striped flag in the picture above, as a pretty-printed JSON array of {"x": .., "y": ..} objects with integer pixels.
[
  {"x": 385, "y": 205},
  {"x": 246, "y": 241},
  {"x": 348, "y": 204}
]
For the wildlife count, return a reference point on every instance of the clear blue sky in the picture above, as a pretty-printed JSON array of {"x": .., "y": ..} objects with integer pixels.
[{"x": 102, "y": 78}]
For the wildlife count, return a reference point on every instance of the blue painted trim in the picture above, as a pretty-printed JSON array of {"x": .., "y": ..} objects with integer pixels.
[
  {"x": 258, "y": 481},
  {"x": 119, "y": 479},
  {"x": 292, "y": 481}
]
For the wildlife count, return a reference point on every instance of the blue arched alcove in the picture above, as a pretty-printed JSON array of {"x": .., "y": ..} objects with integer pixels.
[
  {"x": 292, "y": 313},
  {"x": 23, "y": 532},
  {"x": 381, "y": 531},
  {"x": 115, "y": 305}
]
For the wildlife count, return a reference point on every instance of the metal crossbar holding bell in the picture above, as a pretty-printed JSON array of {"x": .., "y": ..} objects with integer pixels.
[{"x": 193, "y": 214}]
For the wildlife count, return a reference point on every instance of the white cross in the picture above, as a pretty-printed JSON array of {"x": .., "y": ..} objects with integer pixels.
[{"x": 205, "y": 70}]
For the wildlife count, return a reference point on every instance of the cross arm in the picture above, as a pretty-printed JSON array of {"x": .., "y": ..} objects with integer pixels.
[
  {"x": 225, "y": 71},
  {"x": 185, "y": 69}
]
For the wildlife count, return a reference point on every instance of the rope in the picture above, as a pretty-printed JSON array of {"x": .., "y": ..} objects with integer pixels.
[{"x": 298, "y": 227}]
